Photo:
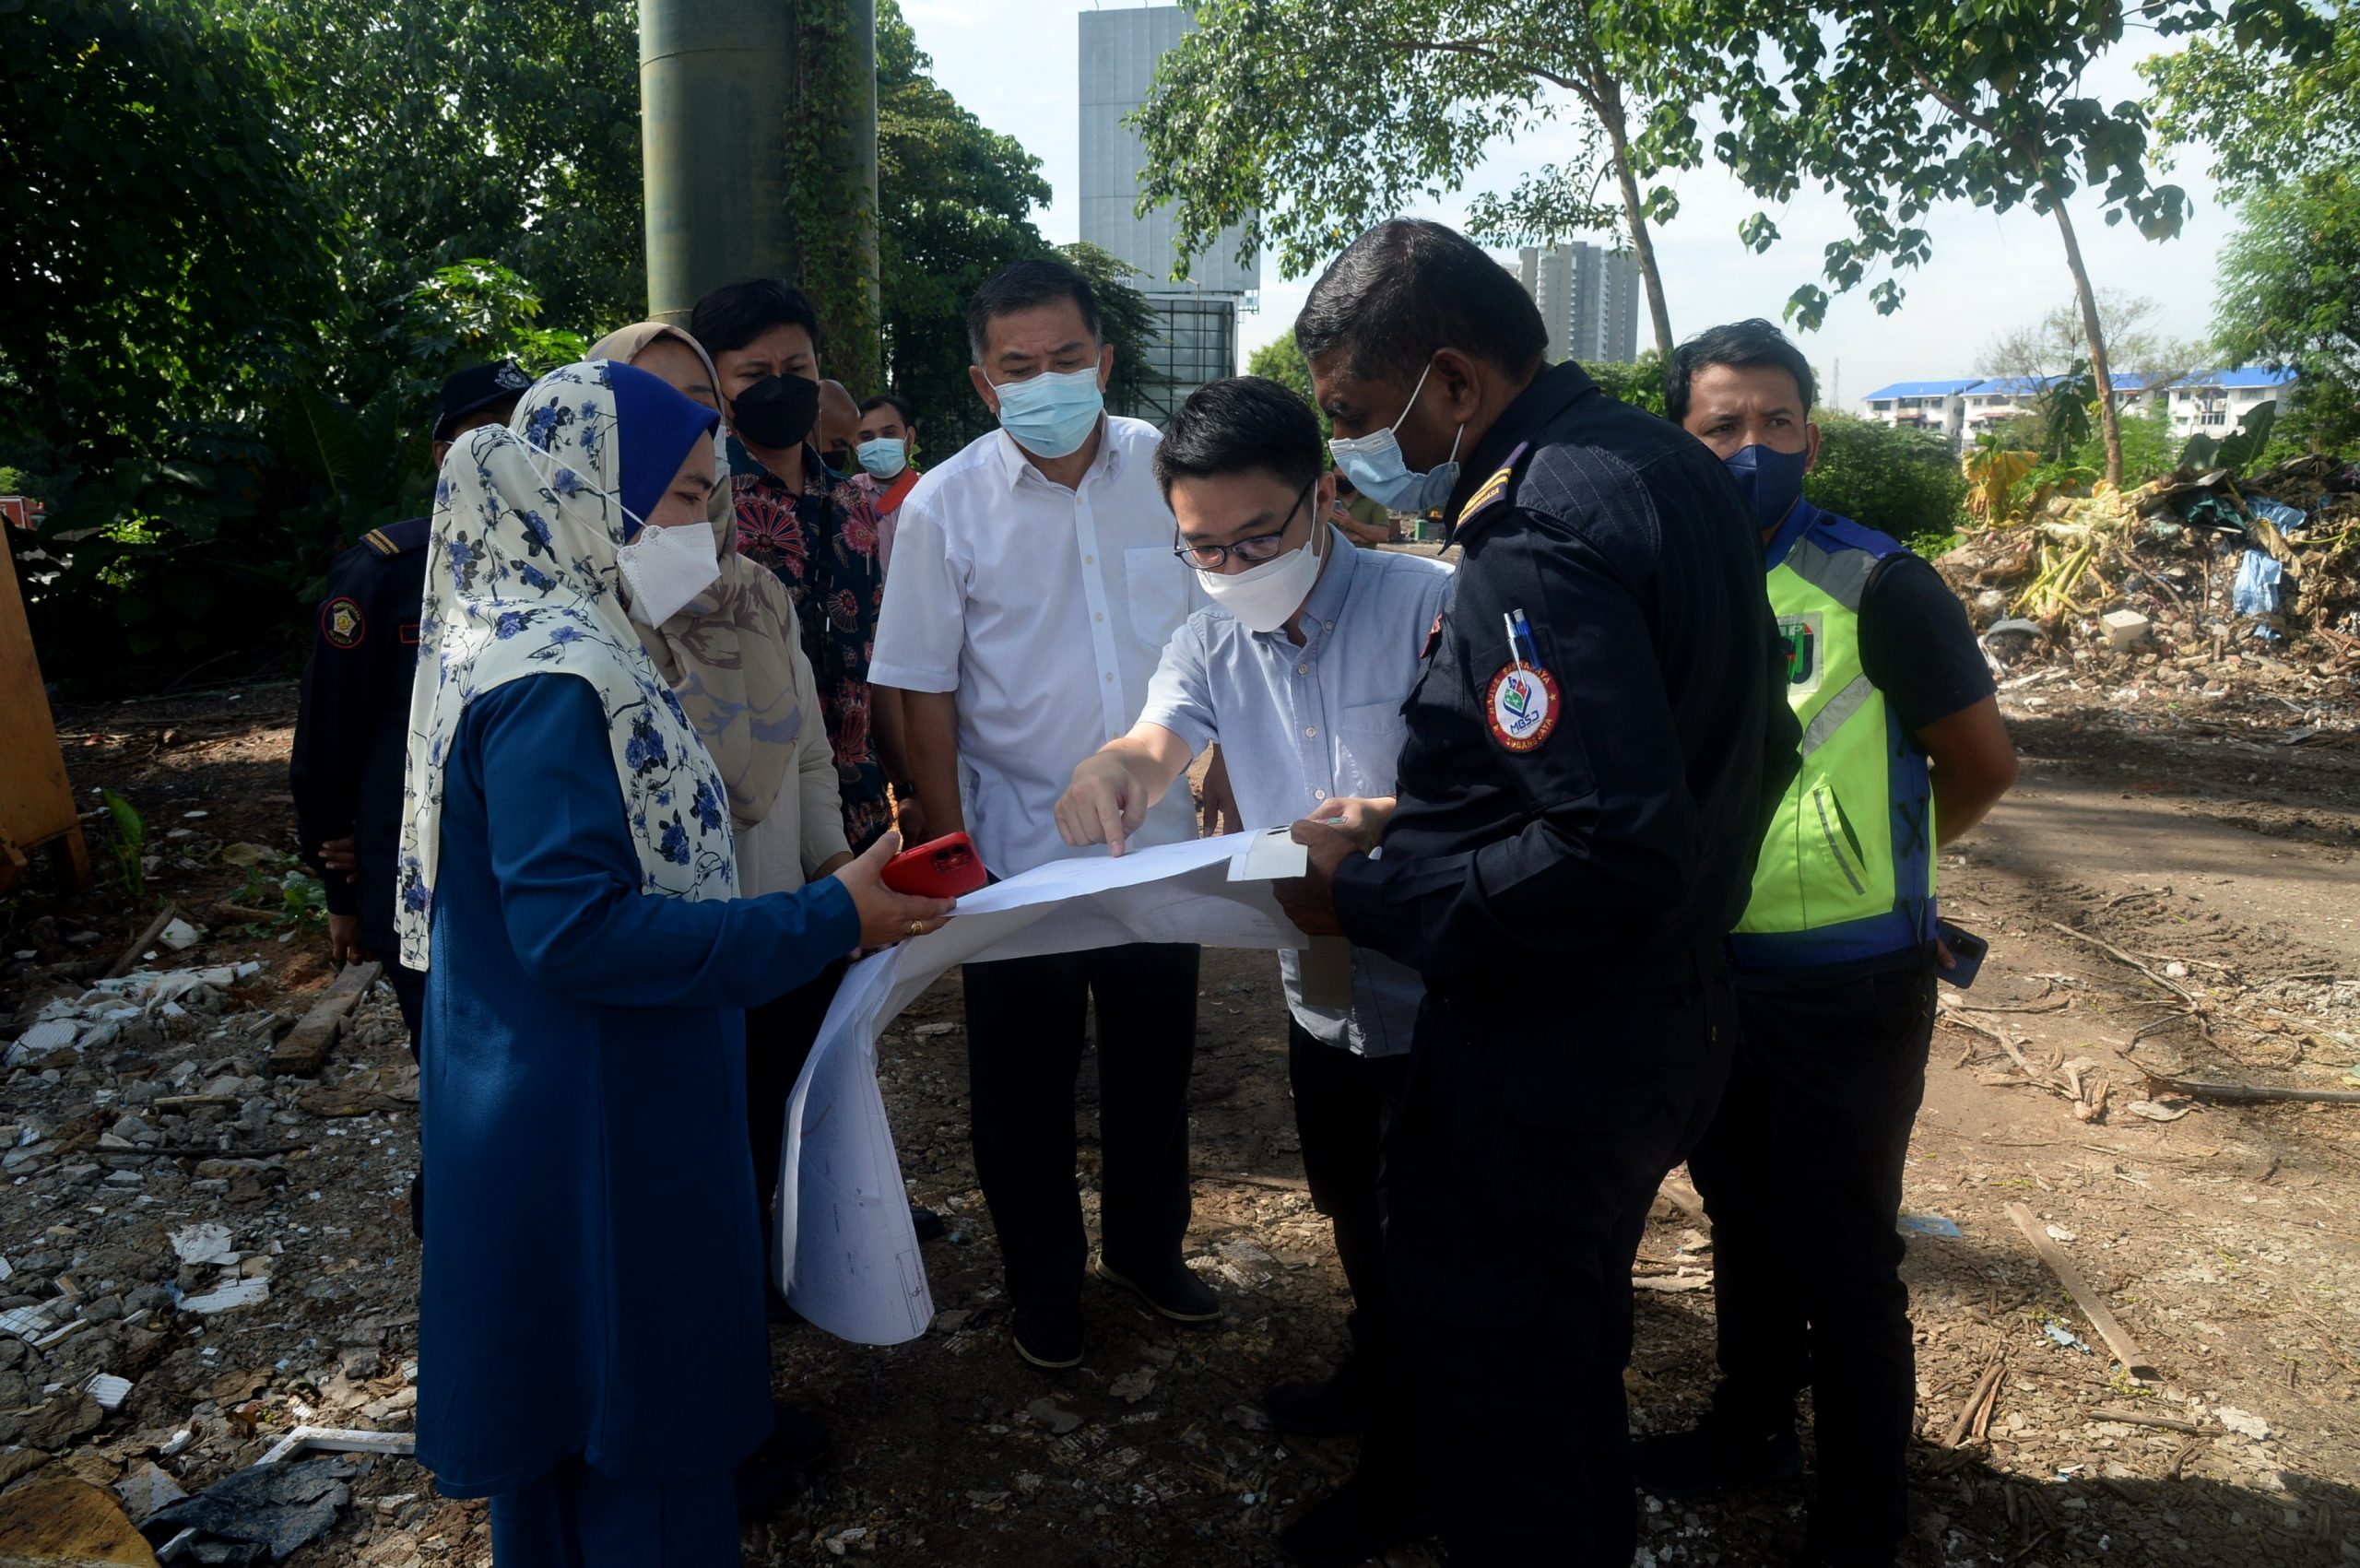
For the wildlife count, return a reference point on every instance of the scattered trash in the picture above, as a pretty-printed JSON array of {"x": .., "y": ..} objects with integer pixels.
[
  {"x": 1133, "y": 1387},
  {"x": 2165, "y": 1110},
  {"x": 1058, "y": 1420},
  {"x": 108, "y": 1390},
  {"x": 248, "y": 854},
  {"x": 1929, "y": 1225},
  {"x": 2067, "y": 1338},
  {"x": 180, "y": 936},
  {"x": 926, "y": 1030},
  {"x": 2059, "y": 1233},
  {"x": 268, "y": 1510}
]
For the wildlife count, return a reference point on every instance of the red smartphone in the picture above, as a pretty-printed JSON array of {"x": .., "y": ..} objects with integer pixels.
[{"x": 943, "y": 870}]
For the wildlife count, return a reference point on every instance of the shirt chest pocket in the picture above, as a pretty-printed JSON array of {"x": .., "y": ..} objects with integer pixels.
[
  {"x": 1156, "y": 584},
  {"x": 1368, "y": 746}
]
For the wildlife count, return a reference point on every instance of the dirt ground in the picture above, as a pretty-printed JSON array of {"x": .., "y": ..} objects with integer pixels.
[{"x": 2178, "y": 874}]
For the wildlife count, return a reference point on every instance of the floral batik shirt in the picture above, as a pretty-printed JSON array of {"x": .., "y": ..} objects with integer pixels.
[{"x": 822, "y": 545}]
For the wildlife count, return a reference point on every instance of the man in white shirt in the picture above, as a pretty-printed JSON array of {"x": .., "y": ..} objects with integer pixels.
[{"x": 1037, "y": 592}]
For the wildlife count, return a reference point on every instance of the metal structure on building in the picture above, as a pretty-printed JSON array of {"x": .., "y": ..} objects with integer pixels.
[
  {"x": 1589, "y": 297},
  {"x": 1199, "y": 315}
]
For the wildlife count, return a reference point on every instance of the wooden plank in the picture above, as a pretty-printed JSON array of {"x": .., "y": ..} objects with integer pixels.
[
  {"x": 139, "y": 944},
  {"x": 307, "y": 1044},
  {"x": 2118, "y": 1339}
]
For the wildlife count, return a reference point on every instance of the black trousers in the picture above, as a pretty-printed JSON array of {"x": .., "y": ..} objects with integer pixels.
[
  {"x": 1026, "y": 1020},
  {"x": 1343, "y": 1104},
  {"x": 1528, "y": 1147},
  {"x": 409, "y": 994},
  {"x": 1801, "y": 1176},
  {"x": 779, "y": 1037}
]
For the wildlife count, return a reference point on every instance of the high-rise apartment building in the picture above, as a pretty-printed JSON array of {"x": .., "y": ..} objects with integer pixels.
[
  {"x": 1197, "y": 341},
  {"x": 1589, "y": 297}
]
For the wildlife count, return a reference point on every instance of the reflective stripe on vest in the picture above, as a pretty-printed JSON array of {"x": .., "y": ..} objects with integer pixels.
[{"x": 1846, "y": 870}]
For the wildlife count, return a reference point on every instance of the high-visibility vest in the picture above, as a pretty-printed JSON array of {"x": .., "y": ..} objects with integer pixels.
[{"x": 1847, "y": 871}]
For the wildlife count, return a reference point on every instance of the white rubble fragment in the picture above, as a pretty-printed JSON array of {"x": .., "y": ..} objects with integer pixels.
[
  {"x": 2243, "y": 1424},
  {"x": 245, "y": 1293},
  {"x": 206, "y": 1242},
  {"x": 108, "y": 1390},
  {"x": 180, "y": 936}
]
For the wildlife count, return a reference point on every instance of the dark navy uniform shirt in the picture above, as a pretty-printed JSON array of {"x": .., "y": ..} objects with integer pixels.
[
  {"x": 352, "y": 731},
  {"x": 1583, "y": 793}
]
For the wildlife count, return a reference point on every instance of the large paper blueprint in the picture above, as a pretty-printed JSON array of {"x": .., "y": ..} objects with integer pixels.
[{"x": 848, "y": 1257}]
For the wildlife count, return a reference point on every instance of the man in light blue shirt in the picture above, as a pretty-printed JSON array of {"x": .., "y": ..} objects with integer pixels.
[{"x": 1299, "y": 672}]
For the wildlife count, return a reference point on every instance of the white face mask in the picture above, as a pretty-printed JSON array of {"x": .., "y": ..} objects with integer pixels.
[
  {"x": 665, "y": 568},
  {"x": 1263, "y": 596}
]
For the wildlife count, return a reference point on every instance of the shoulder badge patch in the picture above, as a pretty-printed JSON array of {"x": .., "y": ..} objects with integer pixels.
[
  {"x": 376, "y": 540},
  {"x": 1521, "y": 706},
  {"x": 342, "y": 623}
]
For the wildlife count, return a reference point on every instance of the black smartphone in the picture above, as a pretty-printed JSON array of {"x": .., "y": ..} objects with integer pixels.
[{"x": 1965, "y": 947}]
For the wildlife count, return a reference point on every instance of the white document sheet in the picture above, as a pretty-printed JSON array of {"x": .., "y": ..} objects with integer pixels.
[{"x": 848, "y": 1257}]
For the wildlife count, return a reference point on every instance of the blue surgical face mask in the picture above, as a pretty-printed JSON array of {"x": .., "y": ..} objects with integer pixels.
[
  {"x": 1053, "y": 414},
  {"x": 1772, "y": 480},
  {"x": 883, "y": 457},
  {"x": 1375, "y": 467}
]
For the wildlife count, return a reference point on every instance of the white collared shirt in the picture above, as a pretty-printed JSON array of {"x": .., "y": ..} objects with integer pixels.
[{"x": 1046, "y": 610}]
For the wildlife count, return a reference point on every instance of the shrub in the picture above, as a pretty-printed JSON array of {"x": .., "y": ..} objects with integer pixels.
[{"x": 1902, "y": 482}]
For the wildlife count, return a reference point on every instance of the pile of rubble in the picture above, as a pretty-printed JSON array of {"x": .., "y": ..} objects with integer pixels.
[
  {"x": 178, "y": 1303},
  {"x": 2204, "y": 580}
]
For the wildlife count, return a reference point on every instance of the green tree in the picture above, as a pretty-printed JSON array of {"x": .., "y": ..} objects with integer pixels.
[
  {"x": 161, "y": 258},
  {"x": 1899, "y": 108},
  {"x": 438, "y": 131},
  {"x": 2282, "y": 134},
  {"x": 1281, "y": 360},
  {"x": 955, "y": 205},
  {"x": 1305, "y": 122},
  {"x": 2134, "y": 342},
  {"x": 1638, "y": 382}
]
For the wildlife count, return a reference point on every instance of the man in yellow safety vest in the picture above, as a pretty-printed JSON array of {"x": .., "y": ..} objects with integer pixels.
[{"x": 1835, "y": 960}]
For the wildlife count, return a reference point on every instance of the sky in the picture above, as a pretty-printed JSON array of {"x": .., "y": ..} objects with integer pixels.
[{"x": 1015, "y": 63}]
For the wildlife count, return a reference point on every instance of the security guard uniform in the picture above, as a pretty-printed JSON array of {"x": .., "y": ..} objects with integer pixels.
[
  {"x": 352, "y": 733},
  {"x": 1590, "y": 752}
]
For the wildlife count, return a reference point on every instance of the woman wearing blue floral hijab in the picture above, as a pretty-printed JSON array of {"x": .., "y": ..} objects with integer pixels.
[{"x": 592, "y": 1353}]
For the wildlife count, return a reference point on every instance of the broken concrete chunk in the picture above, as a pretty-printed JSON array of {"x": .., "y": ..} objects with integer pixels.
[{"x": 207, "y": 1241}]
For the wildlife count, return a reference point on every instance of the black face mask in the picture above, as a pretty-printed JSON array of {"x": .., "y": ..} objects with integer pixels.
[
  {"x": 777, "y": 412},
  {"x": 839, "y": 458}
]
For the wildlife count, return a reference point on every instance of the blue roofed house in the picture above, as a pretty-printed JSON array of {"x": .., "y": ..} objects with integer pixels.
[
  {"x": 2215, "y": 401},
  {"x": 1913, "y": 402}
]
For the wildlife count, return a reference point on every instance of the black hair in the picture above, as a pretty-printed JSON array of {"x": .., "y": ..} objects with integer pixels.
[
  {"x": 1409, "y": 286},
  {"x": 1228, "y": 426},
  {"x": 736, "y": 314},
  {"x": 1749, "y": 342},
  {"x": 1041, "y": 281},
  {"x": 896, "y": 401}
]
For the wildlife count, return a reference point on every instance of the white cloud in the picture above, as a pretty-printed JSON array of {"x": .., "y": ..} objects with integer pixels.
[{"x": 1016, "y": 67}]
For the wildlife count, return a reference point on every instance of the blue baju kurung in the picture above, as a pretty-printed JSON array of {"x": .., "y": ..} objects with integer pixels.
[{"x": 592, "y": 1275}]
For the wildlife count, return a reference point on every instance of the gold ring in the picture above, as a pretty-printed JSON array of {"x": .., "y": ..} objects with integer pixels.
[{"x": 917, "y": 928}]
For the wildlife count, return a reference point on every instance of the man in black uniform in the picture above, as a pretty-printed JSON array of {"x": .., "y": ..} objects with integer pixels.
[
  {"x": 1590, "y": 753},
  {"x": 352, "y": 729}
]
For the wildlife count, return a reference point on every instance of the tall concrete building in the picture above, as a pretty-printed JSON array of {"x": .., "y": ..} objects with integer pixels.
[
  {"x": 1197, "y": 342},
  {"x": 1589, "y": 297}
]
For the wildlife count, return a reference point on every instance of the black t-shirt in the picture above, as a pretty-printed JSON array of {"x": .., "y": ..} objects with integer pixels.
[{"x": 1916, "y": 645}]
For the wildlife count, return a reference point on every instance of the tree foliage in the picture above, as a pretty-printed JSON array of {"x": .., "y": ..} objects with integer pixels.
[
  {"x": 144, "y": 288},
  {"x": 1900, "y": 107},
  {"x": 1302, "y": 123},
  {"x": 2285, "y": 136},
  {"x": 2134, "y": 340},
  {"x": 1902, "y": 482}
]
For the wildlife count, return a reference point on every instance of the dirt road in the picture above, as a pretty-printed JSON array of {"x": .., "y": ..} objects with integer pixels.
[{"x": 2183, "y": 880}]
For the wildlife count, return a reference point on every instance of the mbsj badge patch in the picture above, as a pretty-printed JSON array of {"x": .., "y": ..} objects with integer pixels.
[
  {"x": 1522, "y": 706},
  {"x": 1802, "y": 635},
  {"x": 342, "y": 623}
]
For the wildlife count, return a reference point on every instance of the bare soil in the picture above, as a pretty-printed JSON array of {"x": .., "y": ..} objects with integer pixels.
[{"x": 2210, "y": 854}]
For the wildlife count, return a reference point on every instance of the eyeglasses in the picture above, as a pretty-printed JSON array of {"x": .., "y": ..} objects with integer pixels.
[{"x": 1261, "y": 548}]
